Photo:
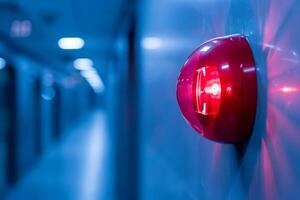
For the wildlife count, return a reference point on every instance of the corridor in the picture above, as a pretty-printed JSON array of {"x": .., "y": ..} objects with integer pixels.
[
  {"x": 74, "y": 168},
  {"x": 149, "y": 100}
]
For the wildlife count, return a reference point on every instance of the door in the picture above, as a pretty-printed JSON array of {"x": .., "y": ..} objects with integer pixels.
[{"x": 7, "y": 126}]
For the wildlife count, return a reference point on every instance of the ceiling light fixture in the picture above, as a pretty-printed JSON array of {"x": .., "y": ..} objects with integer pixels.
[{"x": 71, "y": 43}]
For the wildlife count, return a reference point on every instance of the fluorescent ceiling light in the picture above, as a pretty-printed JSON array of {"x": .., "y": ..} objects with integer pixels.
[
  {"x": 151, "y": 43},
  {"x": 2, "y": 63},
  {"x": 89, "y": 74},
  {"x": 83, "y": 64},
  {"x": 71, "y": 43},
  {"x": 94, "y": 80}
]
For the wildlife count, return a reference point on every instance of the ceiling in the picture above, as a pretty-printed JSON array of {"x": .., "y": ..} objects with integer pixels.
[{"x": 96, "y": 21}]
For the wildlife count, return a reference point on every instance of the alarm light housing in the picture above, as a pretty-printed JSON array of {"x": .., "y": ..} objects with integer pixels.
[{"x": 217, "y": 89}]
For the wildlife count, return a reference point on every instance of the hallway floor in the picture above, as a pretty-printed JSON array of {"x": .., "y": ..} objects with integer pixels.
[{"x": 77, "y": 168}]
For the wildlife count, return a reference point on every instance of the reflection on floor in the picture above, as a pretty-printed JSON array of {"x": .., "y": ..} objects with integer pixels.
[{"x": 78, "y": 168}]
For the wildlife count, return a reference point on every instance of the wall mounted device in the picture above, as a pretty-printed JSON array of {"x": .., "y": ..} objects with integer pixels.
[{"x": 217, "y": 89}]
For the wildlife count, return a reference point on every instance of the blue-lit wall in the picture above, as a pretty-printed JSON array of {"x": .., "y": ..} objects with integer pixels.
[{"x": 176, "y": 162}]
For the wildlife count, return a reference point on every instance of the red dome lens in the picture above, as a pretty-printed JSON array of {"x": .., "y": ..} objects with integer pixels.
[{"x": 216, "y": 89}]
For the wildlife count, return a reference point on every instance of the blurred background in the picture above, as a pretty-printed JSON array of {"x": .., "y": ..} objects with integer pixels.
[{"x": 88, "y": 107}]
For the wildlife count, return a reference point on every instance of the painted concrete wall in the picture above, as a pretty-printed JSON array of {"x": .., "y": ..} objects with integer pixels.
[{"x": 177, "y": 163}]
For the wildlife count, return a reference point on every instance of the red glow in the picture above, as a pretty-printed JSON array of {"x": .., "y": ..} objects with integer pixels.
[
  {"x": 288, "y": 89},
  {"x": 207, "y": 91},
  {"x": 228, "y": 90},
  {"x": 216, "y": 89}
]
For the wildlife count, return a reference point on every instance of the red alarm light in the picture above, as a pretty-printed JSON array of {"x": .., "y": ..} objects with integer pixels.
[
  {"x": 207, "y": 91},
  {"x": 217, "y": 90}
]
